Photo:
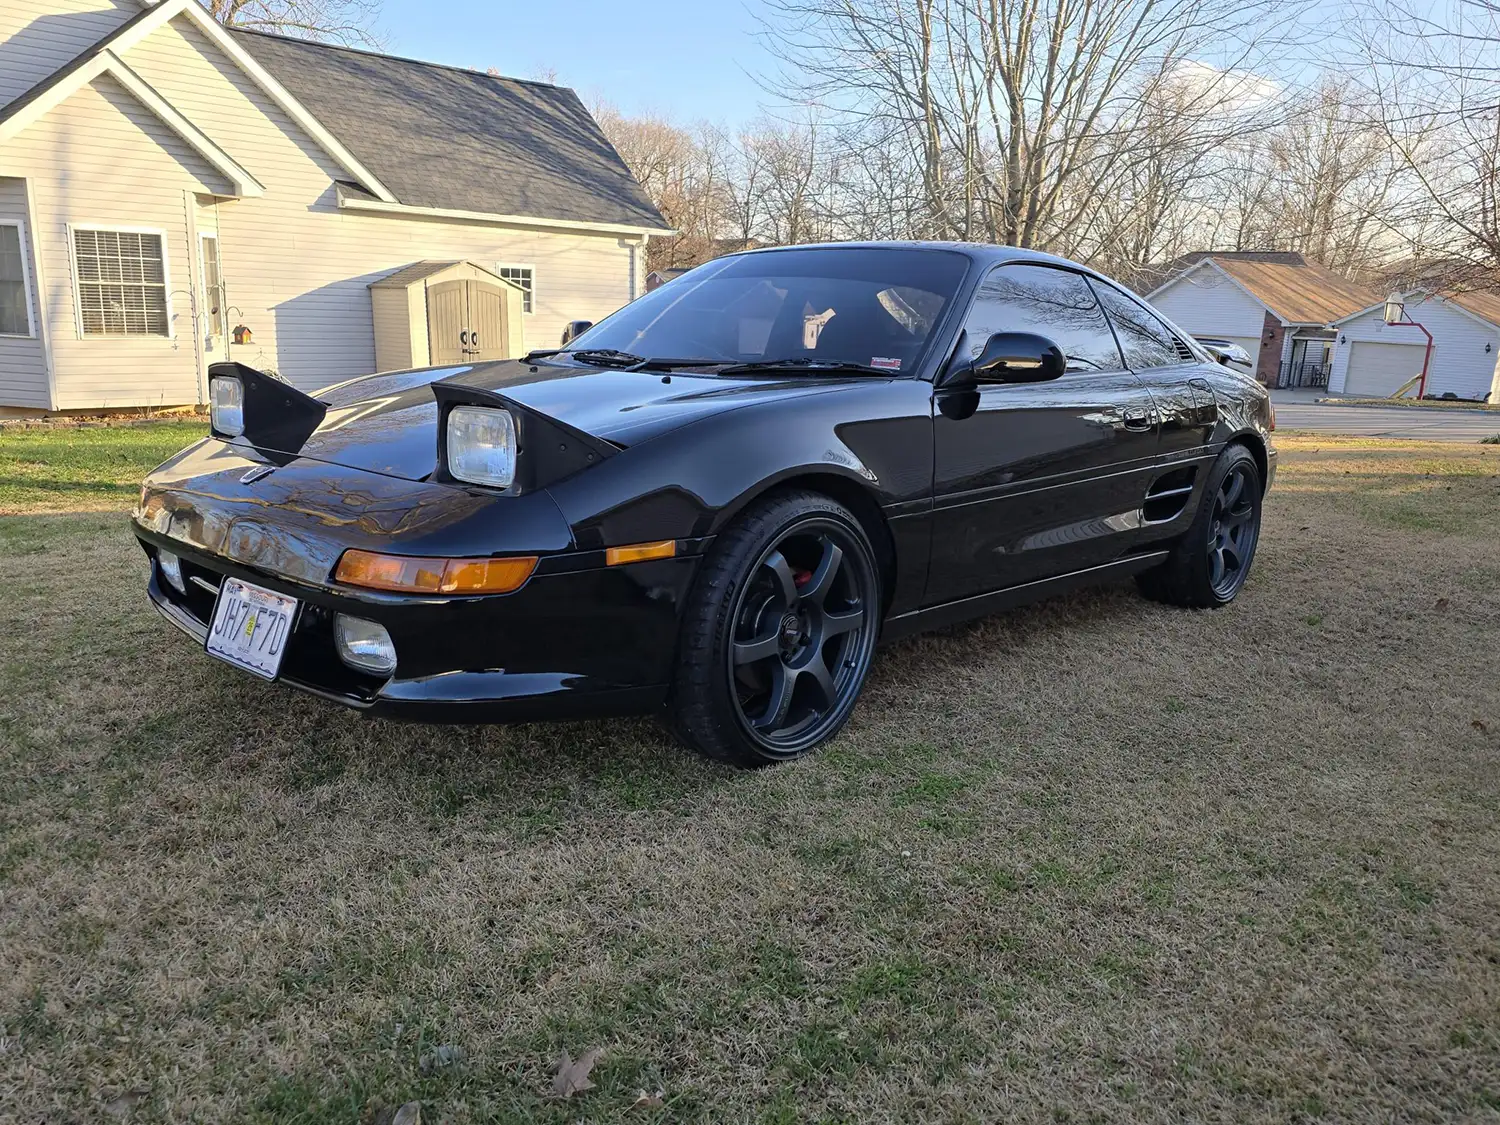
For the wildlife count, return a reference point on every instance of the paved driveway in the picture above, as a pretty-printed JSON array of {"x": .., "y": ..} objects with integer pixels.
[{"x": 1298, "y": 412}]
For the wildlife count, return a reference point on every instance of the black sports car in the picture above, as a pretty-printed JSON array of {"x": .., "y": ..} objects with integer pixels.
[{"x": 714, "y": 502}]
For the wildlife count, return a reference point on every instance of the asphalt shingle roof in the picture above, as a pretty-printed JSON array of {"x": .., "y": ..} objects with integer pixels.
[
  {"x": 1298, "y": 292},
  {"x": 444, "y": 137}
]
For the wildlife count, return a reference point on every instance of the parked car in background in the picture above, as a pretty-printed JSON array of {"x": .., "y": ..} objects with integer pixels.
[{"x": 713, "y": 503}]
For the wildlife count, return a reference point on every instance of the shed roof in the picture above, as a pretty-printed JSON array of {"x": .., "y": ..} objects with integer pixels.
[{"x": 453, "y": 139}]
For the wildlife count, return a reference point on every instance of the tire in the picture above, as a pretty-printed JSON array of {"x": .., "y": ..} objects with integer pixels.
[
  {"x": 778, "y": 632},
  {"x": 1208, "y": 566}
]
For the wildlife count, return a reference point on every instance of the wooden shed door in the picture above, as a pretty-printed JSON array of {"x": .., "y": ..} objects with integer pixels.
[
  {"x": 486, "y": 321},
  {"x": 448, "y": 322}
]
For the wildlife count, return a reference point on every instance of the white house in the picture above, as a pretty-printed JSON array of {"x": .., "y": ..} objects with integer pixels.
[
  {"x": 1375, "y": 358},
  {"x": 1274, "y": 304},
  {"x": 168, "y": 187}
]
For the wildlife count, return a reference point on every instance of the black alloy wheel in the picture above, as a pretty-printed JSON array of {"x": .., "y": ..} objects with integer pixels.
[
  {"x": 1208, "y": 566},
  {"x": 781, "y": 633},
  {"x": 1234, "y": 530}
]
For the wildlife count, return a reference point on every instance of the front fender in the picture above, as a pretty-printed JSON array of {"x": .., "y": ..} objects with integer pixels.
[{"x": 690, "y": 482}]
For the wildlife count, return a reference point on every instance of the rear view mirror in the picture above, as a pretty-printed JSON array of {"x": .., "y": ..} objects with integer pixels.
[
  {"x": 1014, "y": 357},
  {"x": 574, "y": 329}
]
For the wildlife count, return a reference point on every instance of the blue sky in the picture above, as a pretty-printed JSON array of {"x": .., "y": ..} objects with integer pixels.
[{"x": 685, "y": 58}]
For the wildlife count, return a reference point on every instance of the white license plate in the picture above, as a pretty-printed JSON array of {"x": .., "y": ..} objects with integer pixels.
[{"x": 251, "y": 626}]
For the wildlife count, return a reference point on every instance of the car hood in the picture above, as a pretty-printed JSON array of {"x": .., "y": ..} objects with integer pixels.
[{"x": 388, "y": 423}]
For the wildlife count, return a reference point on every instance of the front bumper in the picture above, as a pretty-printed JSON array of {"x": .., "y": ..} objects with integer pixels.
[{"x": 578, "y": 640}]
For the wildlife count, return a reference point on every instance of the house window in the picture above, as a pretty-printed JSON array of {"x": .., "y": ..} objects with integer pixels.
[
  {"x": 122, "y": 283},
  {"x": 522, "y": 276},
  {"x": 15, "y": 304}
]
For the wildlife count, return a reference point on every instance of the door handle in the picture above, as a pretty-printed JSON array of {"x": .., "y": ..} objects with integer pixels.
[
  {"x": 1137, "y": 419},
  {"x": 463, "y": 338},
  {"x": 474, "y": 340}
]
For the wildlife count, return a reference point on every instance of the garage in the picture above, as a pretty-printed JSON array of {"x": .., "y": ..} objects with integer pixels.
[{"x": 1378, "y": 370}]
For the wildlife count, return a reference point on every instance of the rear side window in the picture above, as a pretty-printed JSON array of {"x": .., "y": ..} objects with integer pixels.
[
  {"x": 1144, "y": 339},
  {"x": 1050, "y": 302}
]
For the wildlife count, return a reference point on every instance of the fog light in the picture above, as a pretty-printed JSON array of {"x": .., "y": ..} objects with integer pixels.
[
  {"x": 364, "y": 645},
  {"x": 171, "y": 570}
]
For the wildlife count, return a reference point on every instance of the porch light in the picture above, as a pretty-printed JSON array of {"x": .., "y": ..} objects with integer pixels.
[{"x": 1395, "y": 309}]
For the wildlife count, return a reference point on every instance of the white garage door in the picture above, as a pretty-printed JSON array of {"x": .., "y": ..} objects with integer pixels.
[{"x": 1378, "y": 370}]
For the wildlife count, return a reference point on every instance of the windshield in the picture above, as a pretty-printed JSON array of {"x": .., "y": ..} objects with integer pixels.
[{"x": 872, "y": 307}]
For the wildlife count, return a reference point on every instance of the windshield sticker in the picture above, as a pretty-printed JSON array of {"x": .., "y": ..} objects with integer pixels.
[{"x": 886, "y": 364}]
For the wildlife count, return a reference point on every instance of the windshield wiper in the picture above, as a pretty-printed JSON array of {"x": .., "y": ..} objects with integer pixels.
[
  {"x": 837, "y": 365},
  {"x": 607, "y": 357}
]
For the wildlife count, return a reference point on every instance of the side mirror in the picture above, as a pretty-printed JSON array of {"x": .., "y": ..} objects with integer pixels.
[
  {"x": 1013, "y": 357},
  {"x": 575, "y": 328}
]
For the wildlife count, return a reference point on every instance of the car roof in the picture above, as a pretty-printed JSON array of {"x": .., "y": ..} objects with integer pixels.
[{"x": 982, "y": 252}]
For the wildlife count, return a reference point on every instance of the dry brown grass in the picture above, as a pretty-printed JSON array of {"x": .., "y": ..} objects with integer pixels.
[{"x": 1093, "y": 860}]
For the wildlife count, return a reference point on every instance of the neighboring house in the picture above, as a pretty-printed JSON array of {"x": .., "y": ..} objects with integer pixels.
[
  {"x": 1276, "y": 305},
  {"x": 1374, "y": 358},
  {"x": 168, "y": 186},
  {"x": 657, "y": 278}
]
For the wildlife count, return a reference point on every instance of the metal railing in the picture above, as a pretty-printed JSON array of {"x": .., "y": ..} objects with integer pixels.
[{"x": 1303, "y": 375}]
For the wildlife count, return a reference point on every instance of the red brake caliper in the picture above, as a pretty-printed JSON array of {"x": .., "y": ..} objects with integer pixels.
[{"x": 801, "y": 578}]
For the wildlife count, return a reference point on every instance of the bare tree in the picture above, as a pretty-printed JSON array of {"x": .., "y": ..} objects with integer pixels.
[
  {"x": 1435, "y": 74},
  {"x": 342, "y": 21},
  {"x": 1019, "y": 116}
]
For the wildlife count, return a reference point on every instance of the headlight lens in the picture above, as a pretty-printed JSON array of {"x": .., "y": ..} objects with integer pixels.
[
  {"x": 482, "y": 445},
  {"x": 171, "y": 570},
  {"x": 226, "y": 405},
  {"x": 364, "y": 645}
]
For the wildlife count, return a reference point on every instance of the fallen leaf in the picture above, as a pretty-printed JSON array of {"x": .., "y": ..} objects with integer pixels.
[
  {"x": 1442, "y": 605},
  {"x": 121, "y": 1104},
  {"x": 409, "y": 1114},
  {"x": 573, "y": 1077},
  {"x": 1480, "y": 727},
  {"x": 644, "y": 1100},
  {"x": 439, "y": 1057}
]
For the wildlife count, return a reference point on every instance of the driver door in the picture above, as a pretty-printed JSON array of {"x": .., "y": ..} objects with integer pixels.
[{"x": 1034, "y": 480}]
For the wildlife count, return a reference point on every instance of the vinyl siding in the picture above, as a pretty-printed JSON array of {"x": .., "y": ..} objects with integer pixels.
[
  {"x": 102, "y": 159},
  {"x": 296, "y": 267},
  {"x": 37, "y": 39},
  {"x": 1459, "y": 362},
  {"x": 1206, "y": 303},
  {"x": 23, "y": 363}
]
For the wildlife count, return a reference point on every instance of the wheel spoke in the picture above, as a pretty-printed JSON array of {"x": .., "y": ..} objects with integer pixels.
[
  {"x": 783, "y": 681},
  {"x": 760, "y": 648},
  {"x": 843, "y": 622},
  {"x": 1230, "y": 554},
  {"x": 816, "y": 670},
  {"x": 786, "y": 585},
  {"x": 816, "y": 590},
  {"x": 1216, "y": 574},
  {"x": 1230, "y": 498}
]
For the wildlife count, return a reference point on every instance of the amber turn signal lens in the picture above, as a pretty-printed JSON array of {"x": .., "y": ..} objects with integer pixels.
[
  {"x": 407, "y": 575},
  {"x": 640, "y": 552}
]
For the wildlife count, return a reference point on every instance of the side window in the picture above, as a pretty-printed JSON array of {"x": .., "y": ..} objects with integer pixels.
[
  {"x": 1050, "y": 302},
  {"x": 1144, "y": 339}
]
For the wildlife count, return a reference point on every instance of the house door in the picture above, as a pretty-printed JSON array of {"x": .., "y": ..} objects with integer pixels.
[
  {"x": 214, "y": 321},
  {"x": 447, "y": 322},
  {"x": 465, "y": 322}
]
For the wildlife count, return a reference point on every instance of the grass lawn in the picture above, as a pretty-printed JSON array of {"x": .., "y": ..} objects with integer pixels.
[
  {"x": 87, "y": 467},
  {"x": 1095, "y": 860}
]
